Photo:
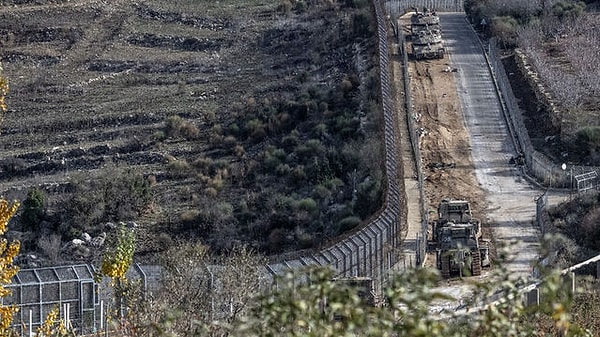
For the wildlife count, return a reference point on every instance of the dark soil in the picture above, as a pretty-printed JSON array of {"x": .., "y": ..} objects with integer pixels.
[
  {"x": 545, "y": 137},
  {"x": 274, "y": 110}
]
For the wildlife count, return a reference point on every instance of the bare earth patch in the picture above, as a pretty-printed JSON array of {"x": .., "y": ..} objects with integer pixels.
[{"x": 444, "y": 142}]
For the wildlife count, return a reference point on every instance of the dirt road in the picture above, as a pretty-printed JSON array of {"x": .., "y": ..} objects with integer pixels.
[{"x": 465, "y": 146}]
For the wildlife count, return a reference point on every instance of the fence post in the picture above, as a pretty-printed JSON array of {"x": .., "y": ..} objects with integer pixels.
[
  {"x": 569, "y": 280},
  {"x": 533, "y": 297}
]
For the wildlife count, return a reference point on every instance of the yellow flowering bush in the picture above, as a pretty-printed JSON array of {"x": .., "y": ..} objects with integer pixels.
[
  {"x": 52, "y": 326},
  {"x": 8, "y": 252},
  {"x": 3, "y": 90},
  {"x": 118, "y": 256}
]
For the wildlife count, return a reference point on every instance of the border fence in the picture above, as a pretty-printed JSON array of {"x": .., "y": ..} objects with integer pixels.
[
  {"x": 82, "y": 302},
  {"x": 369, "y": 252},
  {"x": 373, "y": 250},
  {"x": 421, "y": 240}
]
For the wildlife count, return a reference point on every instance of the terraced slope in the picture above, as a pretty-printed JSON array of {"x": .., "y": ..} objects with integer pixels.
[{"x": 245, "y": 117}]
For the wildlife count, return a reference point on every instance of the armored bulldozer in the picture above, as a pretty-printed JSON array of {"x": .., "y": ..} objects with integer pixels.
[
  {"x": 457, "y": 237},
  {"x": 427, "y": 43}
]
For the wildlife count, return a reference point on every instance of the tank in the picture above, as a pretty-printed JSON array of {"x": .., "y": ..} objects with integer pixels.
[
  {"x": 457, "y": 237},
  {"x": 427, "y": 44},
  {"x": 425, "y": 18},
  {"x": 426, "y": 35}
]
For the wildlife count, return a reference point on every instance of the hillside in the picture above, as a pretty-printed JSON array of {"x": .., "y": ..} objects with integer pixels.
[{"x": 230, "y": 122}]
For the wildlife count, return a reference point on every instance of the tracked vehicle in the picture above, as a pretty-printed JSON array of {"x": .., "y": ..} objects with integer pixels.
[
  {"x": 457, "y": 240},
  {"x": 426, "y": 35},
  {"x": 425, "y": 18},
  {"x": 427, "y": 44}
]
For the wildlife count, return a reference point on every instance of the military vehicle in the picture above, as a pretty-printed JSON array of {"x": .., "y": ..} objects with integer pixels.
[
  {"x": 426, "y": 35},
  {"x": 424, "y": 18},
  {"x": 427, "y": 44},
  {"x": 457, "y": 239},
  {"x": 364, "y": 286}
]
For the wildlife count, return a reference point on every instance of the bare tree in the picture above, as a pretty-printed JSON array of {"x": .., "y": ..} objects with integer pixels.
[{"x": 199, "y": 289}]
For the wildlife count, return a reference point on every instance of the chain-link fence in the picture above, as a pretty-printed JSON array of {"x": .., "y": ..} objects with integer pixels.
[
  {"x": 373, "y": 250},
  {"x": 370, "y": 252},
  {"x": 70, "y": 289},
  {"x": 411, "y": 118}
]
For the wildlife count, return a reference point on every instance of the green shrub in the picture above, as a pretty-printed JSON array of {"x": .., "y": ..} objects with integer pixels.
[
  {"x": 587, "y": 141},
  {"x": 255, "y": 129},
  {"x": 321, "y": 192},
  {"x": 211, "y": 192},
  {"x": 368, "y": 197},
  {"x": 173, "y": 126},
  {"x": 276, "y": 240},
  {"x": 216, "y": 130},
  {"x": 290, "y": 141},
  {"x": 229, "y": 142},
  {"x": 33, "y": 209},
  {"x": 348, "y": 223},
  {"x": 159, "y": 135},
  {"x": 301, "y": 6},
  {"x": 219, "y": 165},
  {"x": 346, "y": 86},
  {"x": 164, "y": 241},
  {"x": 217, "y": 182},
  {"x": 333, "y": 184},
  {"x": 298, "y": 174},
  {"x": 505, "y": 29},
  {"x": 179, "y": 168},
  {"x": 239, "y": 151},
  {"x": 307, "y": 204},
  {"x": 271, "y": 162},
  {"x": 176, "y": 126},
  {"x": 189, "y": 217},
  {"x": 568, "y": 9},
  {"x": 363, "y": 24},
  {"x": 305, "y": 240},
  {"x": 225, "y": 210},
  {"x": 285, "y": 6},
  {"x": 273, "y": 157},
  {"x": 320, "y": 130},
  {"x": 112, "y": 195},
  {"x": 203, "y": 164},
  {"x": 283, "y": 169},
  {"x": 190, "y": 131},
  {"x": 234, "y": 129}
]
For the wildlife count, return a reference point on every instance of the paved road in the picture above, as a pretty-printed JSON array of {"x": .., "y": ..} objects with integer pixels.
[{"x": 510, "y": 199}]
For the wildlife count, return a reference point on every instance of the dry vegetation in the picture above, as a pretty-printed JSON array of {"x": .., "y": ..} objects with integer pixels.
[
  {"x": 253, "y": 122},
  {"x": 565, "y": 55}
]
